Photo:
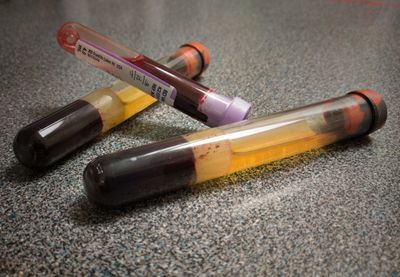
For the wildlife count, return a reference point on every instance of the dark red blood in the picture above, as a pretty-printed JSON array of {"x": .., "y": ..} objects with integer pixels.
[{"x": 189, "y": 93}]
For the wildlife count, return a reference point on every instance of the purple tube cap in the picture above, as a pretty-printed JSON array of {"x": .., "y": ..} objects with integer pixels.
[{"x": 238, "y": 110}]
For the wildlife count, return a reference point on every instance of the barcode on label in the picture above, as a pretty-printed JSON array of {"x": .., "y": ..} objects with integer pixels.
[{"x": 125, "y": 71}]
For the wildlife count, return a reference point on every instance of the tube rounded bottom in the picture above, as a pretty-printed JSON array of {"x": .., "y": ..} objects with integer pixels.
[
  {"x": 138, "y": 173},
  {"x": 45, "y": 141}
]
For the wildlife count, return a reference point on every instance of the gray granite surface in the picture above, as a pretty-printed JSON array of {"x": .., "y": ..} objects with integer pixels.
[{"x": 334, "y": 211}]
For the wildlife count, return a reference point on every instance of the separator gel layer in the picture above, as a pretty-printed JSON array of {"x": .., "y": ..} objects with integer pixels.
[
  {"x": 47, "y": 140},
  {"x": 157, "y": 80},
  {"x": 179, "y": 162}
]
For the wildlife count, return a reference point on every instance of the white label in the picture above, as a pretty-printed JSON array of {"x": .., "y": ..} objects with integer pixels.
[{"x": 126, "y": 71}]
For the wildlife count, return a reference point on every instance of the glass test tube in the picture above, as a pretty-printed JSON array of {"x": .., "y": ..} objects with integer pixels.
[
  {"x": 172, "y": 88},
  {"x": 137, "y": 173},
  {"x": 47, "y": 140}
]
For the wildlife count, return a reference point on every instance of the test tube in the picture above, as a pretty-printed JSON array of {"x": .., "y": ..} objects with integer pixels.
[
  {"x": 47, "y": 140},
  {"x": 165, "y": 84},
  {"x": 138, "y": 173}
]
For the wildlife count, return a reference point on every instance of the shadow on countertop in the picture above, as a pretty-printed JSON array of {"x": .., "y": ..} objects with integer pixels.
[
  {"x": 21, "y": 174},
  {"x": 152, "y": 131}
]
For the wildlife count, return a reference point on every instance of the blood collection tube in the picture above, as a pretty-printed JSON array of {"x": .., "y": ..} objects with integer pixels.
[
  {"x": 137, "y": 173},
  {"x": 45, "y": 141},
  {"x": 165, "y": 84}
]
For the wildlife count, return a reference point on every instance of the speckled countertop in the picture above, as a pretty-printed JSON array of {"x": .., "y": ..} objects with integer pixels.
[{"x": 332, "y": 211}]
